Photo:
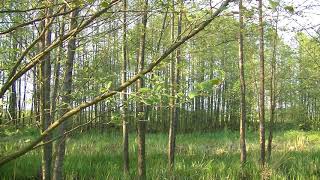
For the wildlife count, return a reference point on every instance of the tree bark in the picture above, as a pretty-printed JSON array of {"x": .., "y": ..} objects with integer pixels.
[
  {"x": 13, "y": 95},
  {"x": 261, "y": 90},
  {"x": 45, "y": 119},
  {"x": 172, "y": 120},
  {"x": 272, "y": 90},
  {"x": 123, "y": 95},
  {"x": 174, "y": 83},
  {"x": 57, "y": 67},
  {"x": 140, "y": 107},
  {"x": 66, "y": 101},
  {"x": 243, "y": 154}
]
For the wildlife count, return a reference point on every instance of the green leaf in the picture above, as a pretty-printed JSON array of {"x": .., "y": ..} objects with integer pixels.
[
  {"x": 106, "y": 88},
  {"x": 109, "y": 85},
  {"x": 273, "y": 4},
  {"x": 105, "y": 4},
  {"x": 180, "y": 94},
  {"x": 290, "y": 9},
  {"x": 144, "y": 90},
  {"x": 192, "y": 94},
  {"x": 207, "y": 85}
]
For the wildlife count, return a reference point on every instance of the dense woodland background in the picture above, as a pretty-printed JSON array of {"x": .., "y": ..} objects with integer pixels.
[{"x": 116, "y": 72}]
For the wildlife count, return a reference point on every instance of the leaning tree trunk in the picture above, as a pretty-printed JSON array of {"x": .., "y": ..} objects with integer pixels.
[{"x": 66, "y": 100}]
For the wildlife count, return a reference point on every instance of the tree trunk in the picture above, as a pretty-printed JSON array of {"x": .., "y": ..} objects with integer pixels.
[
  {"x": 243, "y": 91},
  {"x": 13, "y": 95},
  {"x": 172, "y": 120},
  {"x": 174, "y": 82},
  {"x": 141, "y": 125},
  {"x": 272, "y": 90},
  {"x": 66, "y": 101},
  {"x": 24, "y": 100},
  {"x": 45, "y": 119},
  {"x": 261, "y": 91},
  {"x": 57, "y": 65},
  {"x": 123, "y": 109}
]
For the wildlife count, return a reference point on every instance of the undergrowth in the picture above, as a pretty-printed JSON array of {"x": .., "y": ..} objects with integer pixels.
[{"x": 92, "y": 155}]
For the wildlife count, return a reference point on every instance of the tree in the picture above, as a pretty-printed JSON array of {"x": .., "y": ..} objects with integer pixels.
[
  {"x": 261, "y": 88},
  {"x": 174, "y": 101},
  {"x": 273, "y": 88},
  {"x": 242, "y": 88},
  {"x": 173, "y": 115},
  {"x": 45, "y": 114},
  {"x": 13, "y": 94},
  {"x": 123, "y": 95},
  {"x": 141, "y": 124},
  {"x": 57, "y": 68},
  {"x": 66, "y": 100}
]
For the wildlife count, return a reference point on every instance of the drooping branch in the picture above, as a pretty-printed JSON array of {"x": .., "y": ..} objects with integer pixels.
[{"x": 175, "y": 45}]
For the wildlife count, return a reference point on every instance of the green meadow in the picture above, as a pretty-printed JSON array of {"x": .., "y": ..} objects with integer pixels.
[{"x": 210, "y": 155}]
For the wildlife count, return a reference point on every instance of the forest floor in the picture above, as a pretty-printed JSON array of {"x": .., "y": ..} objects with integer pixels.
[{"x": 92, "y": 155}]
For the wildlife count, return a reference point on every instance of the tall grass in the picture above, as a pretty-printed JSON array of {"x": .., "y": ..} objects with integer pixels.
[{"x": 296, "y": 155}]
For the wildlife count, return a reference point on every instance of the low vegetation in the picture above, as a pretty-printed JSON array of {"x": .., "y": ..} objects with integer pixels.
[{"x": 211, "y": 155}]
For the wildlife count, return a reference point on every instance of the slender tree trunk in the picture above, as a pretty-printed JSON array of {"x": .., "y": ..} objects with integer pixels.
[
  {"x": 123, "y": 109},
  {"x": 218, "y": 104},
  {"x": 66, "y": 101},
  {"x": 1, "y": 99},
  {"x": 272, "y": 90},
  {"x": 141, "y": 125},
  {"x": 57, "y": 68},
  {"x": 174, "y": 82},
  {"x": 13, "y": 94},
  {"x": 261, "y": 91},
  {"x": 18, "y": 122},
  {"x": 34, "y": 110},
  {"x": 13, "y": 105},
  {"x": 45, "y": 119},
  {"x": 172, "y": 125},
  {"x": 243, "y": 90},
  {"x": 24, "y": 100}
]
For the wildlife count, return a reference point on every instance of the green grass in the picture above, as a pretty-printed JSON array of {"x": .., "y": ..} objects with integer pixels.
[{"x": 296, "y": 155}]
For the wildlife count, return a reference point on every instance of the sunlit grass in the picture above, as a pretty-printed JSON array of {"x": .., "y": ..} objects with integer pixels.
[{"x": 296, "y": 155}]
